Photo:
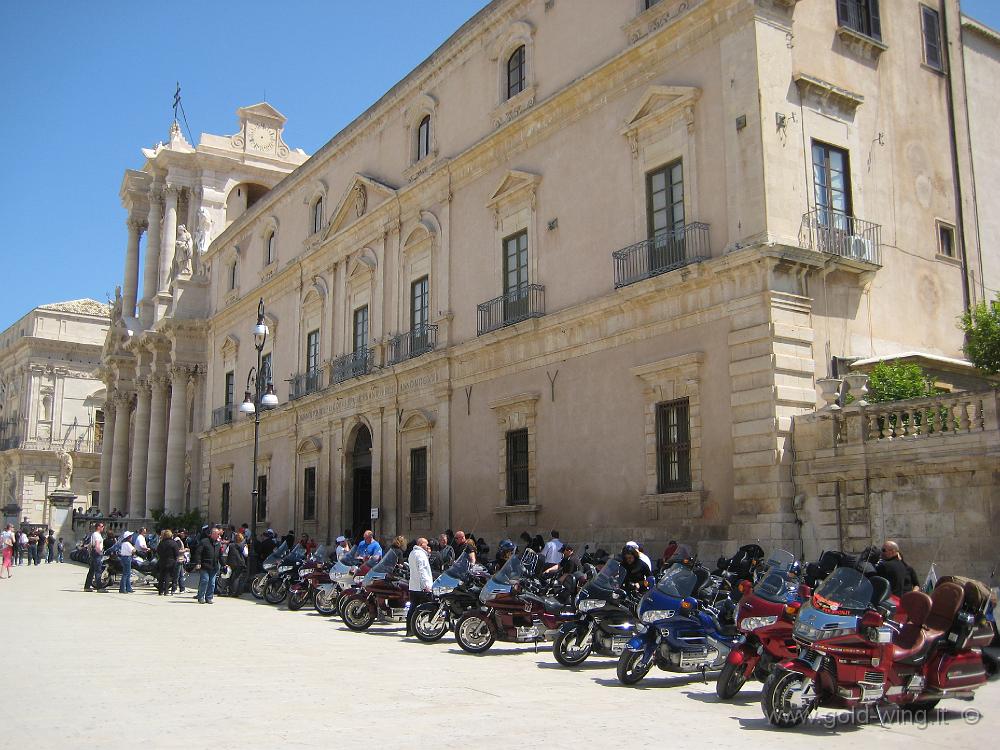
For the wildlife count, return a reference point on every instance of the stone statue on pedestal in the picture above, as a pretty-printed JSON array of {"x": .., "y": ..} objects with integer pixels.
[
  {"x": 204, "y": 231},
  {"x": 65, "y": 469},
  {"x": 183, "y": 252}
]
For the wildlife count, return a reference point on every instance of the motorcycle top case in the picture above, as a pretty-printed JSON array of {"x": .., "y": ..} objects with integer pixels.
[{"x": 951, "y": 671}]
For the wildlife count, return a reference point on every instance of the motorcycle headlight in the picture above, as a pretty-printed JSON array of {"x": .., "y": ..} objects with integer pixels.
[
  {"x": 284, "y": 568},
  {"x": 652, "y": 615},
  {"x": 442, "y": 589},
  {"x": 588, "y": 604},
  {"x": 749, "y": 624}
]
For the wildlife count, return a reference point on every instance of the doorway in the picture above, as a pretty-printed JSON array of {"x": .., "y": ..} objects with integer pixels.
[{"x": 361, "y": 481}]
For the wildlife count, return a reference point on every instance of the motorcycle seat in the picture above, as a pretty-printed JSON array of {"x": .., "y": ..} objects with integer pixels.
[{"x": 549, "y": 603}]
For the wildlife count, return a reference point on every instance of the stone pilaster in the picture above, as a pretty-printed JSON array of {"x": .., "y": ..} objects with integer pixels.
[
  {"x": 156, "y": 456},
  {"x": 173, "y": 492},
  {"x": 120, "y": 452},
  {"x": 130, "y": 289},
  {"x": 151, "y": 269},
  {"x": 169, "y": 236},
  {"x": 107, "y": 447},
  {"x": 140, "y": 451}
]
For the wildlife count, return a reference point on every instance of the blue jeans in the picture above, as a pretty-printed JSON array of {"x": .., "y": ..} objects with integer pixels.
[
  {"x": 94, "y": 573},
  {"x": 206, "y": 583},
  {"x": 126, "y": 584}
]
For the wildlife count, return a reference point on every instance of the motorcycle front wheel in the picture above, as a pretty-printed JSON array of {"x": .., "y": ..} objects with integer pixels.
[
  {"x": 424, "y": 626},
  {"x": 731, "y": 680},
  {"x": 782, "y": 701},
  {"x": 566, "y": 650},
  {"x": 474, "y": 634},
  {"x": 276, "y": 591},
  {"x": 358, "y": 615},
  {"x": 297, "y": 599},
  {"x": 326, "y": 602},
  {"x": 630, "y": 670},
  {"x": 257, "y": 586}
]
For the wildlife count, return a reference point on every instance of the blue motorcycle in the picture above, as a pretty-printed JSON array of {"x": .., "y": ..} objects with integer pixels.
[{"x": 676, "y": 631}]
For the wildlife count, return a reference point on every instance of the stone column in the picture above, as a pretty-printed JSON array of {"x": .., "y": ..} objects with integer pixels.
[
  {"x": 173, "y": 493},
  {"x": 107, "y": 446},
  {"x": 130, "y": 289},
  {"x": 156, "y": 456},
  {"x": 119, "y": 454},
  {"x": 151, "y": 267},
  {"x": 140, "y": 451},
  {"x": 169, "y": 236}
]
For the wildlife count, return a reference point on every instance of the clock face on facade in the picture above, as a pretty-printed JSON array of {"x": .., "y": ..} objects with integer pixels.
[{"x": 260, "y": 138}]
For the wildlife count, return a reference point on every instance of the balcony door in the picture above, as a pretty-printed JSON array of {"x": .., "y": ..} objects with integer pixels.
[
  {"x": 312, "y": 360},
  {"x": 419, "y": 316},
  {"x": 665, "y": 216},
  {"x": 832, "y": 193},
  {"x": 515, "y": 277}
]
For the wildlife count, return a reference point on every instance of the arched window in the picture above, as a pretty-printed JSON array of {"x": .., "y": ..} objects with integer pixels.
[
  {"x": 515, "y": 72},
  {"x": 317, "y": 215},
  {"x": 233, "y": 279},
  {"x": 269, "y": 248},
  {"x": 424, "y": 137}
]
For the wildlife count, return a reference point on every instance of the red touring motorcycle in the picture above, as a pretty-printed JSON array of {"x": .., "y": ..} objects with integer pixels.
[
  {"x": 765, "y": 617},
  {"x": 511, "y": 610},
  {"x": 384, "y": 593},
  {"x": 312, "y": 573},
  {"x": 850, "y": 655}
]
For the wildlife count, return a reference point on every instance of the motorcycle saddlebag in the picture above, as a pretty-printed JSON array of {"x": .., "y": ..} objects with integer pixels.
[{"x": 954, "y": 671}]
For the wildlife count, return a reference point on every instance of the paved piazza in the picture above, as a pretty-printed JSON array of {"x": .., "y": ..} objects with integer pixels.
[{"x": 85, "y": 666}]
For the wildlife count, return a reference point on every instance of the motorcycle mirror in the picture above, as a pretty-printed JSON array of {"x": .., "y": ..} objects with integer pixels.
[
  {"x": 871, "y": 619},
  {"x": 805, "y": 591}
]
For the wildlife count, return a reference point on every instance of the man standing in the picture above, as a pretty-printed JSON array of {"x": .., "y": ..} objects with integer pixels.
[
  {"x": 458, "y": 543},
  {"x": 552, "y": 551},
  {"x": 206, "y": 560},
  {"x": 446, "y": 553},
  {"x": 125, "y": 552},
  {"x": 22, "y": 547},
  {"x": 901, "y": 577},
  {"x": 96, "y": 546},
  {"x": 420, "y": 579},
  {"x": 139, "y": 541}
]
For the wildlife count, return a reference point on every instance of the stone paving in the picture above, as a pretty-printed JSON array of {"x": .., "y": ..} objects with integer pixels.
[{"x": 86, "y": 668}]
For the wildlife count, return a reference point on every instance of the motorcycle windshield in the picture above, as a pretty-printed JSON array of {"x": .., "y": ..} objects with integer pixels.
[
  {"x": 778, "y": 578},
  {"x": 845, "y": 590},
  {"x": 319, "y": 554},
  {"x": 610, "y": 579},
  {"x": 298, "y": 553},
  {"x": 384, "y": 568},
  {"x": 679, "y": 581},
  {"x": 351, "y": 558},
  {"x": 459, "y": 569},
  {"x": 278, "y": 553}
]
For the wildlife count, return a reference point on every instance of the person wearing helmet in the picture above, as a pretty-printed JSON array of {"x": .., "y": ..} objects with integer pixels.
[{"x": 505, "y": 549}]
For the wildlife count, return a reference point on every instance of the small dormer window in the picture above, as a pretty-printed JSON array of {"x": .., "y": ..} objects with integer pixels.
[
  {"x": 515, "y": 72},
  {"x": 424, "y": 137},
  {"x": 317, "y": 215}
]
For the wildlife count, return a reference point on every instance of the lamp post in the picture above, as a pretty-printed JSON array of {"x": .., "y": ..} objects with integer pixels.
[{"x": 260, "y": 398}]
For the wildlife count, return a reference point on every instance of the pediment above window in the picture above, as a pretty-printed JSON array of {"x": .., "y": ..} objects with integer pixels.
[
  {"x": 516, "y": 185},
  {"x": 230, "y": 348},
  {"x": 663, "y": 103},
  {"x": 364, "y": 195}
]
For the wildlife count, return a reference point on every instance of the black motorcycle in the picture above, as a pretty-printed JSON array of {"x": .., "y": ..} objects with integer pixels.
[
  {"x": 605, "y": 619},
  {"x": 286, "y": 573},
  {"x": 455, "y": 591}
]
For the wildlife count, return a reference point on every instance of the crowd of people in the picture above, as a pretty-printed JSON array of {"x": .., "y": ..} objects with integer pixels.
[{"x": 23, "y": 547}]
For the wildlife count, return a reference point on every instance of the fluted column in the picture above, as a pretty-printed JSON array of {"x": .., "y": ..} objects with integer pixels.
[
  {"x": 156, "y": 456},
  {"x": 151, "y": 266},
  {"x": 173, "y": 493},
  {"x": 140, "y": 452},
  {"x": 107, "y": 445},
  {"x": 130, "y": 289},
  {"x": 169, "y": 235},
  {"x": 120, "y": 452}
]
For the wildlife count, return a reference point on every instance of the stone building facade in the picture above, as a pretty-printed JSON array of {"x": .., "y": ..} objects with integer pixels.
[
  {"x": 51, "y": 409},
  {"x": 579, "y": 269}
]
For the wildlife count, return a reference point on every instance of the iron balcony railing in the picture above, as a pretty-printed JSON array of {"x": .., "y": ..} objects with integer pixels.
[
  {"x": 223, "y": 415},
  {"x": 857, "y": 16},
  {"x": 663, "y": 252},
  {"x": 77, "y": 445},
  {"x": 420, "y": 340},
  {"x": 838, "y": 233},
  {"x": 304, "y": 383},
  {"x": 353, "y": 365},
  {"x": 523, "y": 302}
]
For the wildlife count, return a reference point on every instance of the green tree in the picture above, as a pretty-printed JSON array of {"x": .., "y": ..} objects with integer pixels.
[
  {"x": 982, "y": 336},
  {"x": 193, "y": 519},
  {"x": 898, "y": 381}
]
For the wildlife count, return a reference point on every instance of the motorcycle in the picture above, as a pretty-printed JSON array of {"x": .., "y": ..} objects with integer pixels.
[
  {"x": 676, "y": 632},
  {"x": 342, "y": 576},
  {"x": 851, "y": 654},
  {"x": 605, "y": 621},
  {"x": 766, "y": 616},
  {"x": 384, "y": 593},
  {"x": 287, "y": 571},
  {"x": 455, "y": 591},
  {"x": 268, "y": 570},
  {"x": 514, "y": 608},
  {"x": 312, "y": 573}
]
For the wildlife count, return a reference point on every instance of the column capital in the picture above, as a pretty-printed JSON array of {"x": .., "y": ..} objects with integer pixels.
[
  {"x": 159, "y": 381},
  {"x": 122, "y": 398},
  {"x": 171, "y": 191},
  {"x": 155, "y": 193},
  {"x": 143, "y": 385},
  {"x": 135, "y": 224}
]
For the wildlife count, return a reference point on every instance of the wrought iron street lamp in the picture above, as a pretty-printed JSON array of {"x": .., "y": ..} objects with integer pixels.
[{"x": 259, "y": 397}]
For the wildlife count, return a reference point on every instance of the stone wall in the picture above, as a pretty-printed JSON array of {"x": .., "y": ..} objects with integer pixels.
[{"x": 924, "y": 473}]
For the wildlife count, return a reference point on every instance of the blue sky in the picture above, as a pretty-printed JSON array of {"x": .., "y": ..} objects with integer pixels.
[{"x": 86, "y": 85}]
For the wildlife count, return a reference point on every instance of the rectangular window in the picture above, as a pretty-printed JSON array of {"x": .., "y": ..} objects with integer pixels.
[
  {"x": 225, "y": 503},
  {"x": 673, "y": 447},
  {"x": 861, "y": 16},
  {"x": 665, "y": 199},
  {"x": 419, "y": 305},
  {"x": 265, "y": 368},
  {"x": 232, "y": 276},
  {"x": 946, "y": 240},
  {"x": 517, "y": 467},
  {"x": 230, "y": 388},
  {"x": 262, "y": 497},
  {"x": 361, "y": 329},
  {"x": 424, "y": 138},
  {"x": 515, "y": 72},
  {"x": 515, "y": 262},
  {"x": 418, "y": 480},
  {"x": 312, "y": 351},
  {"x": 930, "y": 25},
  {"x": 832, "y": 185},
  {"x": 309, "y": 494}
]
